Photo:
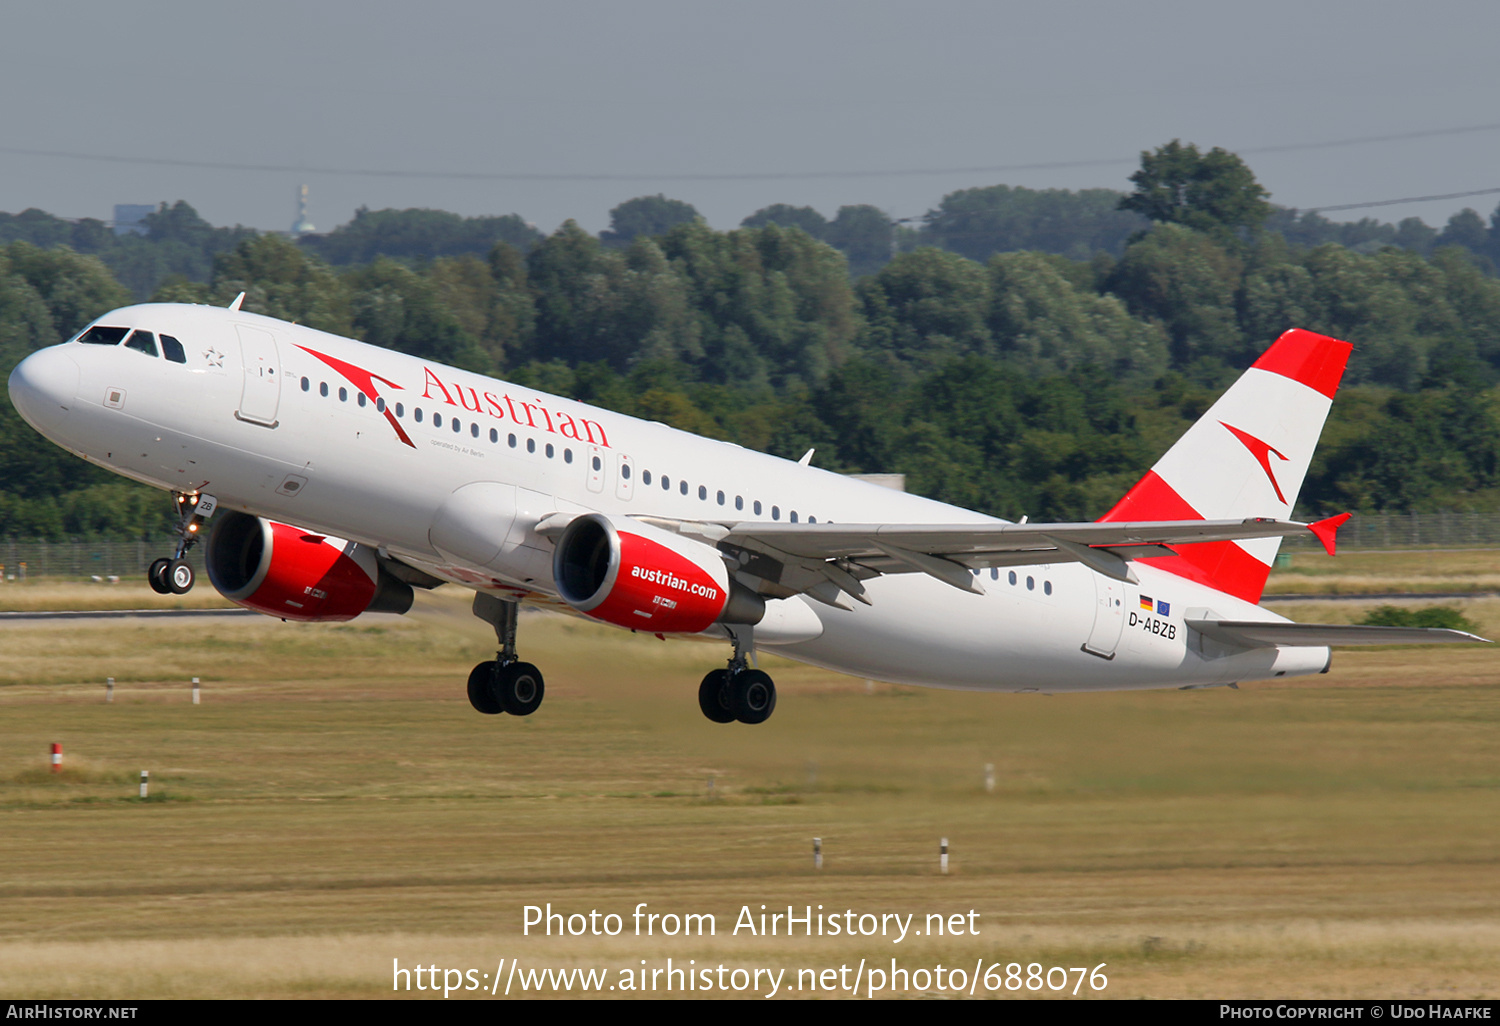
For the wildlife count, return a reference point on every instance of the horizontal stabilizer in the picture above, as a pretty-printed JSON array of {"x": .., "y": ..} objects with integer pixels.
[{"x": 1257, "y": 634}]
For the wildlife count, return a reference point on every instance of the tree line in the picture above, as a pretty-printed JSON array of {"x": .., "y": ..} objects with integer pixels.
[{"x": 1014, "y": 381}]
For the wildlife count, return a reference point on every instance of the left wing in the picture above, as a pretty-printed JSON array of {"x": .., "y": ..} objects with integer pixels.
[
  {"x": 824, "y": 560},
  {"x": 1256, "y": 634}
]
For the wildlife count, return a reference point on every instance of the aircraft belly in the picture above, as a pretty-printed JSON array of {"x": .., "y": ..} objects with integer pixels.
[{"x": 920, "y": 631}]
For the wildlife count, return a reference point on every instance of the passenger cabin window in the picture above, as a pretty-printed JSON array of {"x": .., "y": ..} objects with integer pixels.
[
  {"x": 172, "y": 349},
  {"x": 323, "y": 389},
  {"x": 143, "y": 342},
  {"x": 306, "y": 385},
  {"x": 99, "y": 335},
  {"x": 645, "y": 477}
]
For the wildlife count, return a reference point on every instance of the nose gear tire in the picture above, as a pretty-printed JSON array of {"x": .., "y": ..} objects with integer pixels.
[
  {"x": 180, "y": 577},
  {"x": 156, "y": 576}
]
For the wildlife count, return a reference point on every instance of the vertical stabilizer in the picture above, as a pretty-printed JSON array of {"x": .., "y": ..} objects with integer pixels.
[{"x": 1245, "y": 457}]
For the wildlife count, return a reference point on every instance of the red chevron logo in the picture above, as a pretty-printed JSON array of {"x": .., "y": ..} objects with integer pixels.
[
  {"x": 364, "y": 381},
  {"x": 1262, "y": 453}
]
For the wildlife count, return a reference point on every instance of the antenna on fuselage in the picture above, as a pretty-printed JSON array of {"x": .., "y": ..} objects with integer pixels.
[
  {"x": 237, "y": 301},
  {"x": 806, "y": 457}
]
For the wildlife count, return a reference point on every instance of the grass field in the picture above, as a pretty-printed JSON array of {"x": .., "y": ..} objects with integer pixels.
[{"x": 334, "y": 804}]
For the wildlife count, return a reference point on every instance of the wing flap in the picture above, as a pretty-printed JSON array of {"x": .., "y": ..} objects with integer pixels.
[{"x": 1258, "y": 634}]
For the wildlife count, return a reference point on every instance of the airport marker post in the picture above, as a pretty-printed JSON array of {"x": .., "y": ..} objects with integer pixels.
[
  {"x": 56, "y": 757},
  {"x": 989, "y": 778},
  {"x": 195, "y": 690},
  {"x": 943, "y": 856},
  {"x": 817, "y": 853},
  {"x": 146, "y": 776},
  {"x": 109, "y": 690}
]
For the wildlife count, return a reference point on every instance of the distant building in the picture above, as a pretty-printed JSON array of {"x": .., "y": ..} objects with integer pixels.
[
  {"x": 130, "y": 218},
  {"x": 302, "y": 226}
]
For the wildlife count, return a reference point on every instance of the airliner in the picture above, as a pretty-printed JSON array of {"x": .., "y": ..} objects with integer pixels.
[{"x": 328, "y": 478}]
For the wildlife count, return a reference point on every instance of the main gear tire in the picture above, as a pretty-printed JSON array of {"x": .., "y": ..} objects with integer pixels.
[
  {"x": 482, "y": 689},
  {"x": 752, "y": 696},
  {"x": 520, "y": 688},
  {"x": 713, "y": 697}
]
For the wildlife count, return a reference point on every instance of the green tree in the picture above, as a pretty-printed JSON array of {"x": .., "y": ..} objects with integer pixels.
[
  {"x": 417, "y": 235},
  {"x": 1001, "y": 219},
  {"x": 1213, "y": 192},
  {"x": 646, "y": 215},
  {"x": 280, "y": 280},
  {"x": 75, "y": 288},
  {"x": 926, "y": 307},
  {"x": 863, "y": 233},
  {"x": 394, "y": 307},
  {"x": 1187, "y": 281},
  {"x": 806, "y": 218},
  {"x": 1044, "y": 326}
]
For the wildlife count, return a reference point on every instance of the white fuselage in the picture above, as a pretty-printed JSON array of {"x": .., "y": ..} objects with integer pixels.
[{"x": 267, "y": 427}]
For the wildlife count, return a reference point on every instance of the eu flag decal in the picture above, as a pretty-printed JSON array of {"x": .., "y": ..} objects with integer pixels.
[
  {"x": 1163, "y": 608},
  {"x": 1146, "y": 603}
]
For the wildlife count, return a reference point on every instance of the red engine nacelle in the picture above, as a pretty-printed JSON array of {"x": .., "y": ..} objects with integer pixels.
[
  {"x": 634, "y": 575},
  {"x": 287, "y": 572}
]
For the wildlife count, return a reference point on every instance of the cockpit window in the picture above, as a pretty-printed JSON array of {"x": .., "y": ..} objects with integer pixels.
[
  {"x": 173, "y": 349},
  {"x": 143, "y": 342},
  {"x": 99, "y": 335}
]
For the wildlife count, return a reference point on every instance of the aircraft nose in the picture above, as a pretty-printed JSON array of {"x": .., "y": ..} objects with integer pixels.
[{"x": 44, "y": 386}]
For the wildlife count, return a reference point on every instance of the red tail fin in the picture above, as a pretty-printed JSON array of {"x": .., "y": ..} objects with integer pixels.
[{"x": 1245, "y": 457}]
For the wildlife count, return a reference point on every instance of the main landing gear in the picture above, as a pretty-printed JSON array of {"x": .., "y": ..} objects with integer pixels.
[
  {"x": 174, "y": 575},
  {"x": 503, "y": 684},
  {"x": 739, "y": 692}
]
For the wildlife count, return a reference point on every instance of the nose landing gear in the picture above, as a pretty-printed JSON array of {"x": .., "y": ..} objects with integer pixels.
[
  {"x": 174, "y": 575},
  {"x": 504, "y": 684},
  {"x": 739, "y": 692}
]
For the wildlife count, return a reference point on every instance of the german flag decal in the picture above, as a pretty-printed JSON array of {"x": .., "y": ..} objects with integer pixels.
[{"x": 1147, "y": 604}]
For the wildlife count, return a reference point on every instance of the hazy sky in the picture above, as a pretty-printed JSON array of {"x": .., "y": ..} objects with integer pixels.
[{"x": 649, "y": 90}]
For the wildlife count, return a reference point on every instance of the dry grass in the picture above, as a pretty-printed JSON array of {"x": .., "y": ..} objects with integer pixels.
[
  {"x": 55, "y": 593},
  {"x": 334, "y": 804},
  {"x": 1362, "y": 572}
]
